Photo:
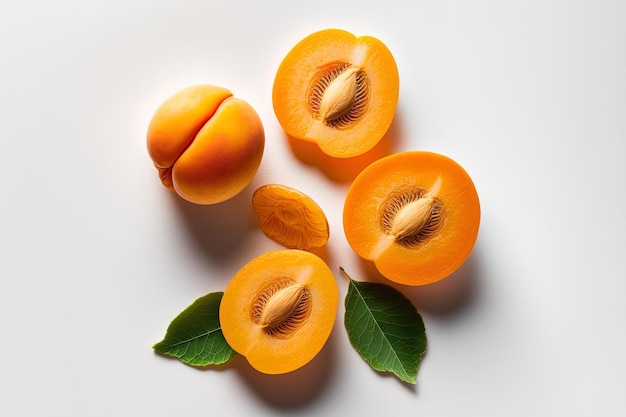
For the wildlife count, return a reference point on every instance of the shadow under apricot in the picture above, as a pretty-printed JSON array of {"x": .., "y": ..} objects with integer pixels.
[
  {"x": 452, "y": 295},
  {"x": 322, "y": 252},
  {"x": 294, "y": 390},
  {"x": 283, "y": 392},
  {"x": 345, "y": 170},
  {"x": 447, "y": 297},
  {"x": 218, "y": 230}
]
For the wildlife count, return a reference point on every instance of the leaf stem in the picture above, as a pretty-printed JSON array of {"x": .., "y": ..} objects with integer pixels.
[{"x": 343, "y": 271}]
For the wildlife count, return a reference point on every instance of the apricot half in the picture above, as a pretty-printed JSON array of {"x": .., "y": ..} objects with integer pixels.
[
  {"x": 337, "y": 90},
  {"x": 279, "y": 310},
  {"x": 414, "y": 214},
  {"x": 290, "y": 217},
  {"x": 206, "y": 144}
]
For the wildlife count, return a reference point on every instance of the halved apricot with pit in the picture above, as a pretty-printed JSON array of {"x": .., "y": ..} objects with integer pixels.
[
  {"x": 414, "y": 214},
  {"x": 337, "y": 90},
  {"x": 279, "y": 310},
  {"x": 290, "y": 217},
  {"x": 206, "y": 144}
]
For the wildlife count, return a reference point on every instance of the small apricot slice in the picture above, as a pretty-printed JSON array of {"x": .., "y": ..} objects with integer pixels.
[
  {"x": 206, "y": 144},
  {"x": 279, "y": 310},
  {"x": 414, "y": 214},
  {"x": 290, "y": 217},
  {"x": 337, "y": 90}
]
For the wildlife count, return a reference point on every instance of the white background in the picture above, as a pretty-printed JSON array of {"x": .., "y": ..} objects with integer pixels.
[{"x": 97, "y": 257}]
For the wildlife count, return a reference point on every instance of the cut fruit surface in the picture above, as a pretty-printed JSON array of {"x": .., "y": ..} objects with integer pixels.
[
  {"x": 279, "y": 310},
  {"x": 414, "y": 214},
  {"x": 290, "y": 217},
  {"x": 337, "y": 90}
]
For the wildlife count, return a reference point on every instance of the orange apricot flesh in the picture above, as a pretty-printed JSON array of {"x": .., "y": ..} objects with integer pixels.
[
  {"x": 290, "y": 217},
  {"x": 337, "y": 90},
  {"x": 415, "y": 215},
  {"x": 279, "y": 310},
  {"x": 206, "y": 144}
]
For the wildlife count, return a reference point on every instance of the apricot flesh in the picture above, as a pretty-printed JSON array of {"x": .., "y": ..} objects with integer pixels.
[
  {"x": 337, "y": 90},
  {"x": 290, "y": 217},
  {"x": 279, "y": 310},
  {"x": 206, "y": 144},
  {"x": 415, "y": 215}
]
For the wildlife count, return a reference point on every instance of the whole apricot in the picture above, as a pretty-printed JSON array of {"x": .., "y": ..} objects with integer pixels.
[{"x": 206, "y": 144}]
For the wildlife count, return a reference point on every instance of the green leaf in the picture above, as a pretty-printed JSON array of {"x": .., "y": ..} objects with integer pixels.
[
  {"x": 195, "y": 335},
  {"x": 385, "y": 328}
]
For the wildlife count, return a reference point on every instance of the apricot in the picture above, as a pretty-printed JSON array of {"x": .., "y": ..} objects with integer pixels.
[
  {"x": 206, "y": 144},
  {"x": 279, "y": 310},
  {"x": 415, "y": 215},
  {"x": 290, "y": 217},
  {"x": 338, "y": 91}
]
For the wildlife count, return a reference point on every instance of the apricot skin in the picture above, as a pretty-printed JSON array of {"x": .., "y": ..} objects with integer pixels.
[{"x": 206, "y": 144}]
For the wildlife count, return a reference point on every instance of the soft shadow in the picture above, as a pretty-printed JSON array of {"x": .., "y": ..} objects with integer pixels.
[
  {"x": 453, "y": 294},
  {"x": 218, "y": 230},
  {"x": 323, "y": 252},
  {"x": 344, "y": 170},
  {"x": 411, "y": 388},
  {"x": 446, "y": 297},
  {"x": 295, "y": 390},
  {"x": 213, "y": 368}
]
